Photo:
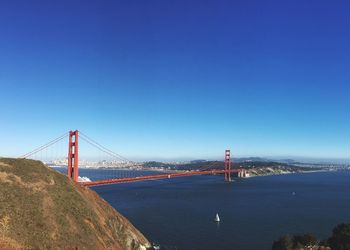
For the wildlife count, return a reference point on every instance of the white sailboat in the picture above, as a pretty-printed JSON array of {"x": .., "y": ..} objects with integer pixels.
[{"x": 217, "y": 218}]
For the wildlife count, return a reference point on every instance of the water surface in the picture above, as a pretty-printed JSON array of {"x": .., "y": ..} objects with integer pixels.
[{"x": 179, "y": 213}]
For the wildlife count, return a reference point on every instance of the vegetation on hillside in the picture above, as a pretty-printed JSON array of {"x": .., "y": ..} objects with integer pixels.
[
  {"x": 339, "y": 240},
  {"x": 43, "y": 209}
]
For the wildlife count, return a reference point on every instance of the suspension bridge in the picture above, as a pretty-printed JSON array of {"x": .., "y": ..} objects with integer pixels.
[{"x": 117, "y": 169}]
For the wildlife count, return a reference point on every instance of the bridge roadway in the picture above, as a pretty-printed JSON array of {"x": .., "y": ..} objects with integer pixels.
[{"x": 157, "y": 177}]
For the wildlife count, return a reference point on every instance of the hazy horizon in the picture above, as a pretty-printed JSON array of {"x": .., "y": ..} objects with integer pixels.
[{"x": 300, "y": 159}]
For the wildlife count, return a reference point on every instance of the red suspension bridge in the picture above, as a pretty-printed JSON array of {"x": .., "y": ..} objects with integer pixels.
[{"x": 71, "y": 162}]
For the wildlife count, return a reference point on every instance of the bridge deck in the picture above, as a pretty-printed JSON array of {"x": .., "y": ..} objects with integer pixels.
[{"x": 156, "y": 177}]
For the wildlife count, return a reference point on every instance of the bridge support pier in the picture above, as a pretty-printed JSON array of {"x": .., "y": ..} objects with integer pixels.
[
  {"x": 227, "y": 165},
  {"x": 73, "y": 171}
]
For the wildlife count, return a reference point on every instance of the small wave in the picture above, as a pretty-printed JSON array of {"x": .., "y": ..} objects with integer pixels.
[{"x": 83, "y": 179}]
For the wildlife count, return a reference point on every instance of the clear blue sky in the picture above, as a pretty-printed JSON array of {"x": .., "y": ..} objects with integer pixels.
[{"x": 178, "y": 78}]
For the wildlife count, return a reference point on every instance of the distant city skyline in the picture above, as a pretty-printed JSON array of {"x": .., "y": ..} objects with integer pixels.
[{"x": 180, "y": 79}]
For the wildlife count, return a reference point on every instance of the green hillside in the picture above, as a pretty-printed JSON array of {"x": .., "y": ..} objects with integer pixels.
[{"x": 43, "y": 209}]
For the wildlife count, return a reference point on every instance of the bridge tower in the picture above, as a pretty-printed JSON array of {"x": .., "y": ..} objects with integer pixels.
[
  {"x": 72, "y": 171},
  {"x": 227, "y": 165}
]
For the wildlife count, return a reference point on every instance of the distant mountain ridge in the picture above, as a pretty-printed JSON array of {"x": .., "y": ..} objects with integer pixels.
[{"x": 253, "y": 165}]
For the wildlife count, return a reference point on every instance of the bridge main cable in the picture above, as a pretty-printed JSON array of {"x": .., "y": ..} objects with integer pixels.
[
  {"x": 102, "y": 148},
  {"x": 50, "y": 143}
]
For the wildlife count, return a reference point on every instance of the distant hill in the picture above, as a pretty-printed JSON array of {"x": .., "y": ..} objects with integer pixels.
[
  {"x": 247, "y": 159},
  {"x": 43, "y": 209},
  {"x": 254, "y": 166},
  {"x": 202, "y": 164},
  {"x": 193, "y": 165}
]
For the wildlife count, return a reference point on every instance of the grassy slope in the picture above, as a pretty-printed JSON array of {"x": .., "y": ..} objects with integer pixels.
[{"x": 46, "y": 210}]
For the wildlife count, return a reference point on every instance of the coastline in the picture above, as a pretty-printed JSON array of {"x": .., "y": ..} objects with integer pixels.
[{"x": 287, "y": 173}]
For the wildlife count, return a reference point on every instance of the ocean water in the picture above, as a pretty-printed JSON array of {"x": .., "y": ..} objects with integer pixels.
[{"x": 179, "y": 213}]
